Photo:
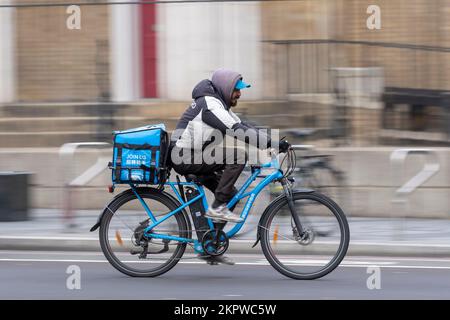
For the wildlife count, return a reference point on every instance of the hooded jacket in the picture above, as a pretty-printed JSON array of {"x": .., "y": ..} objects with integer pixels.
[{"x": 210, "y": 110}]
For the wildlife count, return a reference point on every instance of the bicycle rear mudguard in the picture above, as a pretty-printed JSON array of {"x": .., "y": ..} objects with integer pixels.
[
  {"x": 99, "y": 219},
  {"x": 272, "y": 204}
]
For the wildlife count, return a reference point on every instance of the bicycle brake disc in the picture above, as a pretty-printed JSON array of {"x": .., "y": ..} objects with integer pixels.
[{"x": 306, "y": 238}]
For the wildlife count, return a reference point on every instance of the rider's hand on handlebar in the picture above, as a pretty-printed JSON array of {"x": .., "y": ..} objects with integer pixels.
[{"x": 284, "y": 146}]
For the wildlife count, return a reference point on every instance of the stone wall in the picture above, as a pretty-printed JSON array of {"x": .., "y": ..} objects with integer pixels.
[
  {"x": 58, "y": 64},
  {"x": 371, "y": 181},
  {"x": 420, "y": 23}
]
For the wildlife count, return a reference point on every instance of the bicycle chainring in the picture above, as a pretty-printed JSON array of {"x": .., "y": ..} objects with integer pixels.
[{"x": 215, "y": 242}]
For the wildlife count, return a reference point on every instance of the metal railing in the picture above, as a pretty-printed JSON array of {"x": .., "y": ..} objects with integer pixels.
[{"x": 66, "y": 156}]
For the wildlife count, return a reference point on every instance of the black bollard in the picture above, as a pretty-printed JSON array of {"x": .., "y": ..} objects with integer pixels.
[{"x": 14, "y": 192}]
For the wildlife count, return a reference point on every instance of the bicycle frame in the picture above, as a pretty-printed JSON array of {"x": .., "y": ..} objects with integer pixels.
[{"x": 252, "y": 195}]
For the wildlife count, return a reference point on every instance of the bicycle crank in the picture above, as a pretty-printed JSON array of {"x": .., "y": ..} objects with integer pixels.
[{"x": 215, "y": 242}]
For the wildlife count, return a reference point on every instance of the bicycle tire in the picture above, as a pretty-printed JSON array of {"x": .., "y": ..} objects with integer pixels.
[
  {"x": 264, "y": 229},
  {"x": 154, "y": 195}
]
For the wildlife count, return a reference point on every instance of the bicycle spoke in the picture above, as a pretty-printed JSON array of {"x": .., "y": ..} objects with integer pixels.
[
  {"x": 130, "y": 250},
  {"x": 284, "y": 237},
  {"x": 315, "y": 251}
]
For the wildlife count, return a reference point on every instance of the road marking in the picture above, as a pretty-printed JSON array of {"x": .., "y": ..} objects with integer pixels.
[
  {"x": 42, "y": 253},
  {"x": 395, "y": 244},
  {"x": 355, "y": 264},
  {"x": 399, "y": 259},
  {"x": 348, "y": 259},
  {"x": 404, "y": 267},
  {"x": 257, "y": 263},
  {"x": 45, "y": 238},
  {"x": 323, "y": 262},
  {"x": 50, "y": 260}
]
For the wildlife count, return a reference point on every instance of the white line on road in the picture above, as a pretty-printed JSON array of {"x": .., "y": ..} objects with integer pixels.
[
  {"x": 347, "y": 260},
  {"x": 46, "y": 238},
  {"x": 51, "y": 260},
  {"x": 401, "y": 267},
  {"x": 354, "y": 264}
]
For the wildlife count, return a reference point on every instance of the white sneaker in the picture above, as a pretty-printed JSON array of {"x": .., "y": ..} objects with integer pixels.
[{"x": 223, "y": 213}]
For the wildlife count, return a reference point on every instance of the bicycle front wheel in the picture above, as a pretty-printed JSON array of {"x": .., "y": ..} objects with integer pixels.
[
  {"x": 310, "y": 253},
  {"x": 122, "y": 240}
]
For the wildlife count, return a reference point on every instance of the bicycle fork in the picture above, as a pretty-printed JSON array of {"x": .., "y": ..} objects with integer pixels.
[
  {"x": 288, "y": 192},
  {"x": 301, "y": 235}
]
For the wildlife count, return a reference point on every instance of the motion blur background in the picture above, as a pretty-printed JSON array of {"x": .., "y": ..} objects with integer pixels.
[{"x": 313, "y": 64}]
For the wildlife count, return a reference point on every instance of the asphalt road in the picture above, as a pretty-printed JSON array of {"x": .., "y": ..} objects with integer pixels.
[{"x": 46, "y": 275}]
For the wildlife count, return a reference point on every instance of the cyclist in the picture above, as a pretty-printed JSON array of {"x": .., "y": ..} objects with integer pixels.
[{"x": 211, "y": 109}]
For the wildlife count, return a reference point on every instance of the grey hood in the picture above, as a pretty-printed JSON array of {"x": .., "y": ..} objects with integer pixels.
[{"x": 225, "y": 80}]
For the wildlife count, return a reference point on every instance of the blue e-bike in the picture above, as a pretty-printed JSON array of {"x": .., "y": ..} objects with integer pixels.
[{"x": 304, "y": 235}]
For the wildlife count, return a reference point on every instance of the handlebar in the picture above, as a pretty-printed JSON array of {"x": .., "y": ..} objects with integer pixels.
[{"x": 289, "y": 156}]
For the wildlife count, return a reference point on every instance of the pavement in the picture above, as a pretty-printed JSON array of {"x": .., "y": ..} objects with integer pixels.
[{"x": 48, "y": 229}]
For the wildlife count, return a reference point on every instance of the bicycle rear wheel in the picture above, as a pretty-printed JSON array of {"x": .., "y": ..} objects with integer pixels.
[
  {"x": 122, "y": 240},
  {"x": 313, "y": 253}
]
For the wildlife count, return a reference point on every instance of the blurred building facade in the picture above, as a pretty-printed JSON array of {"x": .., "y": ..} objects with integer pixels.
[
  {"x": 301, "y": 53},
  {"x": 311, "y": 63},
  {"x": 328, "y": 48},
  {"x": 418, "y": 23},
  {"x": 127, "y": 52}
]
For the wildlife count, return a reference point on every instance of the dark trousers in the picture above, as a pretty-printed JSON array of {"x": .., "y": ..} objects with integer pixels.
[{"x": 217, "y": 177}]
